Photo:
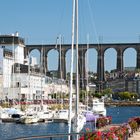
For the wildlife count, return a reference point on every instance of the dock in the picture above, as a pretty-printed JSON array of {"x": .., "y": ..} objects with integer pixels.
[
  {"x": 135, "y": 136},
  {"x": 121, "y": 103},
  {"x": 57, "y": 120}
]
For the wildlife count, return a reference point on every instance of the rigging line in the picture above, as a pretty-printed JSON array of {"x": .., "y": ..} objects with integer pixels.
[
  {"x": 41, "y": 73},
  {"x": 13, "y": 68},
  {"x": 81, "y": 21},
  {"x": 84, "y": 19},
  {"x": 62, "y": 11},
  {"x": 81, "y": 63},
  {"x": 71, "y": 70},
  {"x": 44, "y": 64},
  {"x": 87, "y": 57},
  {"x": 93, "y": 23},
  {"x": 74, "y": 56},
  {"x": 82, "y": 70},
  {"x": 87, "y": 81}
]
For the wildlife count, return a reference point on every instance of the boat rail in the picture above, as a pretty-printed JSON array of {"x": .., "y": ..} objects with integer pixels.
[{"x": 60, "y": 136}]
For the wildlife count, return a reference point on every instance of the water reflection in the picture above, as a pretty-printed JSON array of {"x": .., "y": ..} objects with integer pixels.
[{"x": 11, "y": 130}]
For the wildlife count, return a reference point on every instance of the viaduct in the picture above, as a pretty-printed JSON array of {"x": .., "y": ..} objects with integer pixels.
[{"x": 100, "y": 48}]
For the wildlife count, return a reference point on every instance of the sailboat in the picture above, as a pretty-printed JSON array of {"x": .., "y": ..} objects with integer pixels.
[
  {"x": 44, "y": 114},
  {"x": 30, "y": 116},
  {"x": 85, "y": 109},
  {"x": 79, "y": 119},
  {"x": 98, "y": 107},
  {"x": 62, "y": 114}
]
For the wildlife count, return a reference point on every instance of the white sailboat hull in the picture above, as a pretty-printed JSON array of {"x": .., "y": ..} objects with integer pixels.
[
  {"x": 79, "y": 123},
  {"x": 45, "y": 115},
  {"x": 98, "y": 107},
  {"x": 4, "y": 115},
  {"x": 63, "y": 114},
  {"x": 29, "y": 119}
]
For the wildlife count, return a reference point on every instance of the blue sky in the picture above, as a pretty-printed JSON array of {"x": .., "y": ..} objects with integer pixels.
[{"x": 43, "y": 20}]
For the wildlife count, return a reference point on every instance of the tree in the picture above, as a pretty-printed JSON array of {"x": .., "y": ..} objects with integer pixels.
[
  {"x": 127, "y": 95},
  {"x": 82, "y": 95},
  {"x": 98, "y": 95},
  {"x": 107, "y": 91},
  {"x": 124, "y": 95}
]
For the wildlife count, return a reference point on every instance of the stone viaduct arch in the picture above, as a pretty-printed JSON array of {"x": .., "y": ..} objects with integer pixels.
[{"x": 100, "y": 48}]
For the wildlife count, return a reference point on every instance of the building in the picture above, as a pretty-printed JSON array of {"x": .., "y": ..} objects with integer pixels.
[
  {"x": 28, "y": 83},
  {"x": 11, "y": 51},
  {"x": 21, "y": 78},
  {"x": 56, "y": 86},
  {"x": 18, "y": 80}
]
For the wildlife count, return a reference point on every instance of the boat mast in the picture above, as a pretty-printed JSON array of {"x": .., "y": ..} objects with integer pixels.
[
  {"x": 71, "y": 71},
  {"x": 41, "y": 74},
  {"x": 19, "y": 85},
  {"x": 77, "y": 69},
  {"x": 60, "y": 54},
  {"x": 29, "y": 86},
  {"x": 87, "y": 87},
  {"x": 13, "y": 51}
]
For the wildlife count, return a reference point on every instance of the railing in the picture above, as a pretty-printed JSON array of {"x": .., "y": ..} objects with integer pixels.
[{"x": 51, "y": 137}]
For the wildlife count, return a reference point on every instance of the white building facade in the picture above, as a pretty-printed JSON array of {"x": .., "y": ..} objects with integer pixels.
[
  {"x": 11, "y": 51},
  {"x": 29, "y": 87},
  {"x": 20, "y": 80}
]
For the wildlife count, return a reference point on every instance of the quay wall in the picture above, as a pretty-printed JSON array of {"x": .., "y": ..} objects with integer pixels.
[{"x": 122, "y": 103}]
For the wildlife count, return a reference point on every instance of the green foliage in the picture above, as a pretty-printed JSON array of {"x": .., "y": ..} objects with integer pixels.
[
  {"x": 137, "y": 70},
  {"x": 24, "y": 107},
  {"x": 107, "y": 91},
  {"x": 98, "y": 95},
  {"x": 127, "y": 95},
  {"x": 124, "y": 95},
  {"x": 82, "y": 95},
  {"x": 104, "y": 92},
  {"x": 5, "y": 105}
]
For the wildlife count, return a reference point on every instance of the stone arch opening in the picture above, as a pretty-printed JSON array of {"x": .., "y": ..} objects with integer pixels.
[
  {"x": 35, "y": 57},
  {"x": 68, "y": 63},
  {"x": 91, "y": 59},
  {"x": 110, "y": 59},
  {"x": 130, "y": 56},
  {"x": 91, "y": 65},
  {"x": 53, "y": 60}
]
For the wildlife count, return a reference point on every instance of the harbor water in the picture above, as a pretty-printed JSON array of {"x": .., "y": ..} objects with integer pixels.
[{"x": 12, "y": 130}]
